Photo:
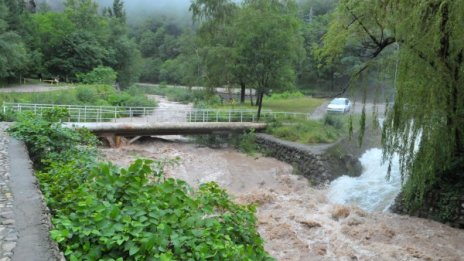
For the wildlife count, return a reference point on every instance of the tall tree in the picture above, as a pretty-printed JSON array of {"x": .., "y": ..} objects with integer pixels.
[
  {"x": 270, "y": 45},
  {"x": 118, "y": 10},
  {"x": 13, "y": 53},
  {"x": 426, "y": 124},
  {"x": 217, "y": 42},
  {"x": 124, "y": 55},
  {"x": 84, "y": 14},
  {"x": 255, "y": 44}
]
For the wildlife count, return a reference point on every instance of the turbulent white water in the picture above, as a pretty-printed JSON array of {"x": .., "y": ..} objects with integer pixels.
[{"x": 371, "y": 191}]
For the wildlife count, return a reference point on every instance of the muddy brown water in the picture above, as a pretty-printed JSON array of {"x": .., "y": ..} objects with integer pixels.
[{"x": 297, "y": 221}]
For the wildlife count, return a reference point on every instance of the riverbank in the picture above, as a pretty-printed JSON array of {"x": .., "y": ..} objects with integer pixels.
[{"x": 296, "y": 220}]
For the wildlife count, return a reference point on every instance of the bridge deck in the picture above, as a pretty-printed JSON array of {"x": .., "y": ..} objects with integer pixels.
[{"x": 175, "y": 128}]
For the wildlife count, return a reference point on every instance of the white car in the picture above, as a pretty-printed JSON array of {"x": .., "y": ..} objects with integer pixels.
[{"x": 341, "y": 105}]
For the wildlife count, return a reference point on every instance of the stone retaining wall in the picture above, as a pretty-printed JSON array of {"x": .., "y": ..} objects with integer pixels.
[
  {"x": 433, "y": 208},
  {"x": 313, "y": 162}
]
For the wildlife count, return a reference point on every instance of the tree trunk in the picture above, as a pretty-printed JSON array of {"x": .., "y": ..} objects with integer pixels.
[
  {"x": 242, "y": 92},
  {"x": 251, "y": 97},
  {"x": 260, "y": 103},
  {"x": 332, "y": 82}
]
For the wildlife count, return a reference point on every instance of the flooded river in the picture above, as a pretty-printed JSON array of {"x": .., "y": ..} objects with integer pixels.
[{"x": 299, "y": 222}]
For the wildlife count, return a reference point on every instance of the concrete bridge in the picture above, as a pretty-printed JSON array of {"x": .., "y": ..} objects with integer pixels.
[
  {"x": 119, "y": 133},
  {"x": 126, "y": 124}
]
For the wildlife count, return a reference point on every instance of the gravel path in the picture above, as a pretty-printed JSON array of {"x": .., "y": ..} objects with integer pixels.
[
  {"x": 24, "y": 220},
  {"x": 34, "y": 88}
]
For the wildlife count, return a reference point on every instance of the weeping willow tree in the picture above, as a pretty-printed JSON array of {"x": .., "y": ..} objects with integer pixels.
[{"x": 425, "y": 125}]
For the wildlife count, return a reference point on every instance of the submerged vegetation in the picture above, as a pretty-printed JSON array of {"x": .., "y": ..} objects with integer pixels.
[{"x": 101, "y": 211}]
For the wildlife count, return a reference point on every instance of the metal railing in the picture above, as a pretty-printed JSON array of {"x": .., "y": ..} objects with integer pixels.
[{"x": 82, "y": 113}]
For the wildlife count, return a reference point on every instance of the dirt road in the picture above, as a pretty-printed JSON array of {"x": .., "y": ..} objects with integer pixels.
[{"x": 34, "y": 88}]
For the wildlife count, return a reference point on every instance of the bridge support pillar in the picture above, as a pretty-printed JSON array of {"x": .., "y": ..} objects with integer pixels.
[{"x": 114, "y": 141}]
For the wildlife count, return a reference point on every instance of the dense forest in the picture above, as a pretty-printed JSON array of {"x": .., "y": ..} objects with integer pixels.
[{"x": 200, "y": 46}]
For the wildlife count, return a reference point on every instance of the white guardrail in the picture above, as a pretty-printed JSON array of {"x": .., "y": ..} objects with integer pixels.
[{"x": 82, "y": 113}]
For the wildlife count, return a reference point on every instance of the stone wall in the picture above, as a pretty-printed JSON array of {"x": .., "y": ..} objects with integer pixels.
[
  {"x": 437, "y": 206},
  {"x": 313, "y": 162}
]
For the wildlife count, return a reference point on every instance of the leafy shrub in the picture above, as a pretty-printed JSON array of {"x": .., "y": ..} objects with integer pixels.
[
  {"x": 87, "y": 94},
  {"x": 47, "y": 139},
  {"x": 285, "y": 95},
  {"x": 129, "y": 217},
  {"x": 138, "y": 101},
  {"x": 8, "y": 116},
  {"x": 99, "y": 75},
  {"x": 102, "y": 212},
  {"x": 247, "y": 143},
  {"x": 308, "y": 131},
  {"x": 333, "y": 120},
  {"x": 96, "y": 94}
]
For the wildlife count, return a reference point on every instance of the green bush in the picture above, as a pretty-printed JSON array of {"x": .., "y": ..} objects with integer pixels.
[
  {"x": 247, "y": 143},
  {"x": 309, "y": 131},
  {"x": 99, "y": 75},
  {"x": 285, "y": 95},
  {"x": 102, "y": 212},
  {"x": 46, "y": 138},
  {"x": 96, "y": 94},
  {"x": 86, "y": 94},
  {"x": 334, "y": 120}
]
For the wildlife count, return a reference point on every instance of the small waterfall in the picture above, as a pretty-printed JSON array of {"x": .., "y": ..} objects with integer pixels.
[{"x": 371, "y": 191}]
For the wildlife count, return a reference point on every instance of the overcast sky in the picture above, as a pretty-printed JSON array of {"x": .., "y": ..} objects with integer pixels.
[{"x": 158, "y": 5}]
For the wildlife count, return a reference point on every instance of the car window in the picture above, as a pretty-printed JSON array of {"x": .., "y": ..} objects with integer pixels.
[{"x": 338, "y": 102}]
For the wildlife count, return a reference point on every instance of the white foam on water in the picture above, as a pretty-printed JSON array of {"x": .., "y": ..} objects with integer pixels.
[{"x": 371, "y": 191}]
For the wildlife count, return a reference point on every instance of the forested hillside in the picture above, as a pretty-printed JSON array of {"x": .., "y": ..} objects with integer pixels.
[{"x": 160, "y": 42}]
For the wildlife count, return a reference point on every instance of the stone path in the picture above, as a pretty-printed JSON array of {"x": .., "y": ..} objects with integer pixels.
[
  {"x": 8, "y": 232},
  {"x": 24, "y": 223}
]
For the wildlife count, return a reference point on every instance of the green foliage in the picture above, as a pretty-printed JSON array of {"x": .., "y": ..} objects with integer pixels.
[
  {"x": 99, "y": 75},
  {"x": 13, "y": 55},
  {"x": 293, "y": 104},
  {"x": 128, "y": 217},
  {"x": 247, "y": 143},
  {"x": 426, "y": 125},
  {"x": 102, "y": 212},
  {"x": 334, "y": 121},
  {"x": 45, "y": 137},
  {"x": 285, "y": 95},
  {"x": 100, "y": 95},
  {"x": 328, "y": 130},
  {"x": 64, "y": 44}
]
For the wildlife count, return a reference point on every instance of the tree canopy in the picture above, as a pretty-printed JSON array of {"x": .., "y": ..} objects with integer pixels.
[
  {"x": 46, "y": 44},
  {"x": 256, "y": 44}
]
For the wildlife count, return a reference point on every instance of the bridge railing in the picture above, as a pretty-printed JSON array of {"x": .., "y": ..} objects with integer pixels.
[{"x": 82, "y": 113}]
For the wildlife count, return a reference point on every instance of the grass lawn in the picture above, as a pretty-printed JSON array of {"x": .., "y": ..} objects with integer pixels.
[
  {"x": 298, "y": 104},
  {"x": 327, "y": 130}
]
